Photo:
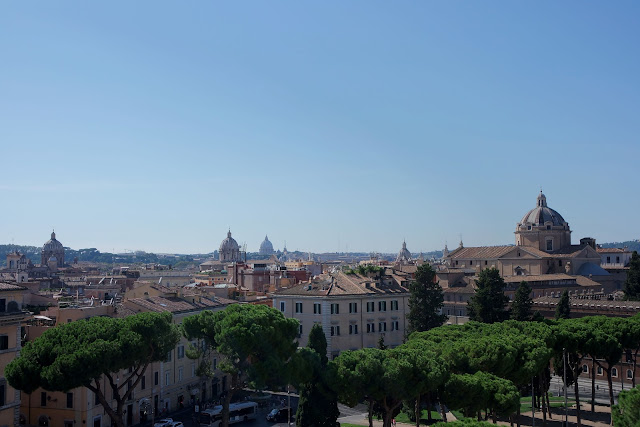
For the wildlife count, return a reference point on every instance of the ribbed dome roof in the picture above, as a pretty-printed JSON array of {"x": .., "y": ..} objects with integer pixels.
[
  {"x": 52, "y": 244},
  {"x": 266, "y": 247},
  {"x": 229, "y": 244},
  {"x": 542, "y": 213}
]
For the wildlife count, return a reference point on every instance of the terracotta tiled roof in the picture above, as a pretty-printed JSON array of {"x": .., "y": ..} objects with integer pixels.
[
  {"x": 343, "y": 284},
  {"x": 612, "y": 250},
  {"x": 10, "y": 287},
  {"x": 483, "y": 252},
  {"x": 539, "y": 278},
  {"x": 174, "y": 305}
]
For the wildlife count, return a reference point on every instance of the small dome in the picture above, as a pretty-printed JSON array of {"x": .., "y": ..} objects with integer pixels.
[
  {"x": 229, "y": 244},
  {"x": 404, "y": 255},
  {"x": 52, "y": 244},
  {"x": 542, "y": 214},
  {"x": 266, "y": 247}
]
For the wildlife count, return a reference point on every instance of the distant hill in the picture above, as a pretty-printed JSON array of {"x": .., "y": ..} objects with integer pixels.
[{"x": 140, "y": 257}]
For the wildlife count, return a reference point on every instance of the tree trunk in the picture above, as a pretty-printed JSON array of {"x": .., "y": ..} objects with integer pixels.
[
  {"x": 370, "y": 412},
  {"x": 610, "y": 390},
  {"x": 429, "y": 419},
  {"x": 593, "y": 385},
  {"x": 228, "y": 394},
  {"x": 576, "y": 388},
  {"x": 418, "y": 411},
  {"x": 546, "y": 396},
  {"x": 543, "y": 400},
  {"x": 443, "y": 412},
  {"x": 633, "y": 372}
]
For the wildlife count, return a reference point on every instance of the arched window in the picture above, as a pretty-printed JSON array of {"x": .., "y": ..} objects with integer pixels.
[
  {"x": 585, "y": 368},
  {"x": 629, "y": 374},
  {"x": 614, "y": 372}
]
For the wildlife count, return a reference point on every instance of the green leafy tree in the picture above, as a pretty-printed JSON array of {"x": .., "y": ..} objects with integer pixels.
[
  {"x": 632, "y": 283},
  {"x": 522, "y": 303},
  {"x": 257, "y": 343},
  {"x": 426, "y": 300},
  {"x": 627, "y": 412},
  {"x": 563, "y": 309},
  {"x": 488, "y": 304},
  {"x": 95, "y": 352},
  {"x": 318, "y": 404},
  {"x": 482, "y": 390}
]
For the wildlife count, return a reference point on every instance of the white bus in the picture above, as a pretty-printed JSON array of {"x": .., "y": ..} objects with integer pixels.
[{"x": 242, "y": 411}]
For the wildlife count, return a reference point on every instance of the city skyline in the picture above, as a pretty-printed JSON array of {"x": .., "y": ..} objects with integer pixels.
[{"x": 341, "y": 127}]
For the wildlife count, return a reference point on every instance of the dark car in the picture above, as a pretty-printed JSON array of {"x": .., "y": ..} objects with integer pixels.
[{"x": 279, "y": 415}]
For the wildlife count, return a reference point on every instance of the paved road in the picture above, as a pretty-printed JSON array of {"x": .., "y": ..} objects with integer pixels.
[{"x": 584, "y": 384}]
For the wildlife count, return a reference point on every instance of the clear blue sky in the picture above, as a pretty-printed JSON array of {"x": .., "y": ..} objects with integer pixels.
[{"x": 332, "y": 125}]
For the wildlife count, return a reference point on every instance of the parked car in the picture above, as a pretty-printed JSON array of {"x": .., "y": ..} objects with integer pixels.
[
  {"x": 165, "y": 422},
  {"x": 279, "y": 415}
]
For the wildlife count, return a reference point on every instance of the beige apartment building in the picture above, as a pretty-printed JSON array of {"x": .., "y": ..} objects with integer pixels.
[
  {"x": 355, "y": 311},
  {"x": 170, "y": 384},
  {"x": 11, "y": 317}
]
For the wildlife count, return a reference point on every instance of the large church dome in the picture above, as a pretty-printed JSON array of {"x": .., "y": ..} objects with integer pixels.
[
  {"x": 229, "y": 244},
  {"x": 229, "y": 249},
  {"x": 542, "y": 214},
  {"x": 266, "y": 248},
  {"x": 52, "y": 244},
  {"x": 52, "y": 248}
]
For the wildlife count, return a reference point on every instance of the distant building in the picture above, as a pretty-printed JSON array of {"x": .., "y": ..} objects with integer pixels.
[
  {"x": 404, "y": 256},
  {"x": 266, "y": 247},
  {"x": 229, "y": 250},
  {"x": 53, "y": 253}
]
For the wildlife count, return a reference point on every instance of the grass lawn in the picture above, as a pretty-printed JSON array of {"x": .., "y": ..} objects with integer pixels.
[
  {"x": 349, "y": 425},
  {"x": 403, "y": 418}
]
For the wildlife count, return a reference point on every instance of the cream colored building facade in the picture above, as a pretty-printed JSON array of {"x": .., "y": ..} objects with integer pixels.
[
  {"x": 355, "y": 311},
  {"x": 11, "y": 317}
]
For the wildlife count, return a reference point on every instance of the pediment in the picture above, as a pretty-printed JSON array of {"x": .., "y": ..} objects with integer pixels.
[{"x": 524, "y": 254}]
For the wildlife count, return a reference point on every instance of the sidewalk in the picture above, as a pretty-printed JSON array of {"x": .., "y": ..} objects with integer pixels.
[{"x": 363, "y": 420}]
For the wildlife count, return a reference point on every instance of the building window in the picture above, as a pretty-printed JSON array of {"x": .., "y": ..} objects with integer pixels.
[
  {"x": 180, "y": 373},
  {"x": 560, "y": 263},
  {"x": 371, "y": 327},
  {"x": 299, "y": 331},
  {"x": 614, "y": 372},
  {"x": 599, "y": 370},
  {"x": 528, "y": 227},
  {"x": 471, "y": 262},
  {"x": 382, "y": 306},
  {"x": 180, "y": 352},
  {"x": 394, "y": 305},
  {"x": 608, "y": 260},
  {"x": 370, "y": 307},
  {"x": 69, "y": 400},
  {"x": 335, "y": 308},
  {"x": 618, "y": 259},
  {"x": 485, "y": 263},
  {"x": 43, "y": 398},
  {"x": 298, "y": 307},
  {"x": 548, "y": 227},
  {"x": 395, "y": 325},
  {"x": 4, "y": 342},
  {"x": 629, "y": 374},
  {"x": 353, "y": 307},
  {"x": 456, "y": 262},
  {"x": 3, "y": 305},
  {"x": 3, "y": 394},
  {"x": 156, "y": 378},
  {"x": 317, "y": 308},
  {"x": 335, "y": 330},
  {"x": 353, "y": 329},
  {"x": 549, "y": 245},
  {"x": 167, "y": 377},
  {"x": 143, "y": 382},
  {"x": 215, "y": 364},
  {"x": 168, "y": 357},
  {"x": 282, "y": 306},
  {"x": 382, "y": 327}
]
